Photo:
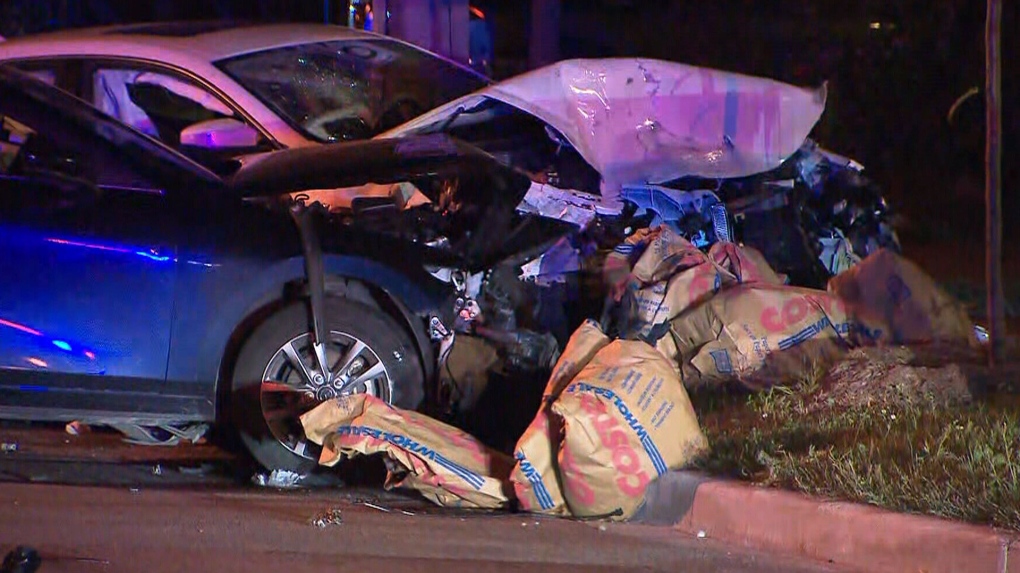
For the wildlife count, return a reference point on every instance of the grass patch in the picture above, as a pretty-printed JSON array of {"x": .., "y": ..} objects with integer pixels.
[{"x": 960, "y": 462}]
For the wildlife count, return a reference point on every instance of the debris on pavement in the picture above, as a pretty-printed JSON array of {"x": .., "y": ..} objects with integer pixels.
[
  {"x": 9, "y": 447},
  {"x": 375, "y": 507},
  {"x": 165, "y": 435},
  {"x": 331, "y": 517},
  {"x": 76, "y": 428},
  {"x": 202, "y": 469},
  {"x": 445, "y": 465},
  {"x": 281, "y": 479},
  {"x": 21, "y": 560}
]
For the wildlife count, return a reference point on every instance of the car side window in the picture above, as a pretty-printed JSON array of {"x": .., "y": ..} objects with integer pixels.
[
  {"x": 178, "y": 111},
  {"x": 42, "y": 70},
  {"x": 155, "y": 103},
  {"x": 47, "y": 75},
  {"x": 38, "y": 145}
]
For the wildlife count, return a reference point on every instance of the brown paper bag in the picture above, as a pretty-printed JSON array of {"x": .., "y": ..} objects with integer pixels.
[
  {"x": 466, "y": 369},
  {"x": 673, "y": 275},
  {"x": 666, "y": 254},
  {"x": 627, "y": 420},
  {"x": 616, "y": 271},
  {"x": 447, "y": 466},
  {"x": 746, "y": 263},
  {"x": 669, "y": 277},
  {"x": 760, "y": 334},
  {"x": 896, "y": 302},
  {"x": 535, "y": 481}
]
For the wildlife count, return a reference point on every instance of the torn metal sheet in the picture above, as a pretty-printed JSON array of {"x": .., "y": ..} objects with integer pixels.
[
  {"x": 837, "y": 253},
  {"x": 678, "y": 209},
  {"x": 570, "y": 206},
  {"x": 652, "y": 121},
  {"x": 554, "y": 266},
  {"x": 815, "y": 163}
]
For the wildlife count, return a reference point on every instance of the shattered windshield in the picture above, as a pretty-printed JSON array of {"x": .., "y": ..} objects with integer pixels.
[{"x": 350, "y": 89}]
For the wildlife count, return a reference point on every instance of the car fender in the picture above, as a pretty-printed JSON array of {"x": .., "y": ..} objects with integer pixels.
[{"x": 208, "y": 333}]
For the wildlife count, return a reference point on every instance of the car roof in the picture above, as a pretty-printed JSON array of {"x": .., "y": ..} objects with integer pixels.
[{"x": 176, "y": 42}]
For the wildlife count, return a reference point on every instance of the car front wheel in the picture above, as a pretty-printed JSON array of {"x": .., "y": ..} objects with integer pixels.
[{"x": 277, "y": 377}]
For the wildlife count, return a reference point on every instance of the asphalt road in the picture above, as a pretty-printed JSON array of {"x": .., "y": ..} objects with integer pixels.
[{"x": 93, "y": 504}]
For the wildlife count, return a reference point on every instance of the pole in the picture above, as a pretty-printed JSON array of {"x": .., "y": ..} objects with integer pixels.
[
  {"x": 993, "y": 182},
  {"x": 382, "y": 16},
  {"x": 327, "y": 17}
]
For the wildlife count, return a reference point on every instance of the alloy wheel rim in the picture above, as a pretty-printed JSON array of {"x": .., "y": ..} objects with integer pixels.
[{"x": 292, "y": 384}]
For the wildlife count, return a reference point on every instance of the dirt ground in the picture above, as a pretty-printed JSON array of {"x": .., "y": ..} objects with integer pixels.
[{"x": 892, "y": 378}]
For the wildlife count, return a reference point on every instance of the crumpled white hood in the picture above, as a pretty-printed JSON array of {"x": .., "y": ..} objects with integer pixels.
[{"x": 651, "y": 121}]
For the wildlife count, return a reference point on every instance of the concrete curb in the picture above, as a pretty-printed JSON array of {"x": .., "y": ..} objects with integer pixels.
[{"x": 849, "y": 535}]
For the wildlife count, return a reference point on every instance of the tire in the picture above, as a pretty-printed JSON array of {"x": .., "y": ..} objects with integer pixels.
[{"x": 263, "y": 357}]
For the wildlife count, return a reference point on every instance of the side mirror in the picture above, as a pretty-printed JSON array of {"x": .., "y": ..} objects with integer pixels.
[{"x": 224, "y": 133}]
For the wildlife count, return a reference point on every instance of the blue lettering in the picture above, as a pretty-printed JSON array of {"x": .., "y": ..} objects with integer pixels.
[
  {"x": 545, "y": 500},
  {"x": 646, "y": 441},
  {"x": 628, "y": 416},
  {"x": 416, "y": 448}
]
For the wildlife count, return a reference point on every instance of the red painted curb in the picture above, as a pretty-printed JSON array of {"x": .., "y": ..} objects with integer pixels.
[{"x": 846, "y": 534}]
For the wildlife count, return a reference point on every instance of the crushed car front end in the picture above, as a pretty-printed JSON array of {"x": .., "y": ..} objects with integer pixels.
[{"x": 717, "y": 155}]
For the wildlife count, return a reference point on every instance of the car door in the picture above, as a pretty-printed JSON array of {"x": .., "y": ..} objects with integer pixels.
[{"x": 87, "y": 252}]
